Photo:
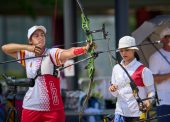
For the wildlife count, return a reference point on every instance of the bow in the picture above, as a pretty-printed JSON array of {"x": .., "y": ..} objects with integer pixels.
[{"x": 90, "y": 66}]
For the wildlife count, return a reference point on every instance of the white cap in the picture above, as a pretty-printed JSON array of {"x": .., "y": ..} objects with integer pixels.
[
  {"x": 34, "y": 28},
  {"x": 127, "y": 42},
  {"x": 165, "y": 32}
]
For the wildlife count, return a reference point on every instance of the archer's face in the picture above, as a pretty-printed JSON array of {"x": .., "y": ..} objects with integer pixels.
[
  {"x": 127, "y": 54},
  {"x": 38, "y": 38},
  {"x": 166, "y": 40}
]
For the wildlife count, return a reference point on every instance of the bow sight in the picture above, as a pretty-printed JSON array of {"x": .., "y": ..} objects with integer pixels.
[{"x": 105, "y": 34}]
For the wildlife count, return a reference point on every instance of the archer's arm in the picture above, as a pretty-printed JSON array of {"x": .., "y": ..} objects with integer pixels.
[
  {"x": 149, "y": 86},
  {"x": 73, "y": 52},
  {"x": 12, "y": 49},
  {"x": 156, "y": 68},
  {"x": 159, "y": 78}
]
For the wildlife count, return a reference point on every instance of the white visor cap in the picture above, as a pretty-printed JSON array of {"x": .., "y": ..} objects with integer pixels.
[{"x": 34, "y": 28}]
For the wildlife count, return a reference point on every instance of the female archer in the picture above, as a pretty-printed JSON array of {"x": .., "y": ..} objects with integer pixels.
[
  {"x": 42, "y": 102},
  {"x": 127, "y": 109}
]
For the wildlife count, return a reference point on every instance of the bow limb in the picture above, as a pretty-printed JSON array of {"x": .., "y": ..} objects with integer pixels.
[
  {"x": 90, "y": 66},
  {"x": 89, "y": 36}
]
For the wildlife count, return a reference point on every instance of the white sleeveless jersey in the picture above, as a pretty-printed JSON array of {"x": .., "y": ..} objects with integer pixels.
[{"x": 45, "y": 95}]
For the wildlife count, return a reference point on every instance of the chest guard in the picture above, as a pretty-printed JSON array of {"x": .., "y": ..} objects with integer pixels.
[
  {"x": 137, "y": 76},
  {"x": 48, "y": 67}
]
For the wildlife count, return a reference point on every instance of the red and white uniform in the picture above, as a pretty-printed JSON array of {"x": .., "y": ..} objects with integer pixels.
[{"x": 45, "y": 95}]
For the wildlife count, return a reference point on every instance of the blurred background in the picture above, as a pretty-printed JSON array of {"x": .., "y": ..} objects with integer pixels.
[{"x": 63, "y": 22}]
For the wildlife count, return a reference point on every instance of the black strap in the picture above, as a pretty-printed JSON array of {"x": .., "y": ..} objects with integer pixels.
[
  {"x": 55, "y": 72},
  {"x": 39, "y": 69}
]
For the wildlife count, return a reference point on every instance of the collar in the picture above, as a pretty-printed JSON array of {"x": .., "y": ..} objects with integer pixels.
[{"x": 132, "y": 63}]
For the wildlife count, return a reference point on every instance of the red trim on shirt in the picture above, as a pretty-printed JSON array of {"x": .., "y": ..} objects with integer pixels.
[{"x": 22, "y": 56}]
